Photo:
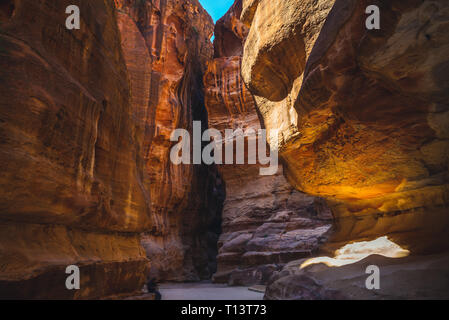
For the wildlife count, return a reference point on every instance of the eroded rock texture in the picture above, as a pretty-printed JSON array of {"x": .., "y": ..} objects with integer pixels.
[
  {"x": 166, "y": 46},
  {"x": 410, "y": 278},
  {"x": 85, "y": 120},
  {"x": 364, "y": 114},
  {"x": 70, "y": 188},
  {"x": 266, "y": 223},
  {"x": 364, "y": 118}
]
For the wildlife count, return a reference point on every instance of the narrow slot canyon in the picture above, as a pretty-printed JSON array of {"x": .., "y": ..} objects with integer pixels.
[{"x": 361, "y": 123}]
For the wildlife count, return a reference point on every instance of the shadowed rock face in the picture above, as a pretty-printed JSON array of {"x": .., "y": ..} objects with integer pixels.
[
  {"x": 84, "y": 125},
  {"x": 265, "y": 222},
  {"x": 363, "y": 114},
  {"x": 408, "y": 278},
  {"x": 166, "y": 46}
]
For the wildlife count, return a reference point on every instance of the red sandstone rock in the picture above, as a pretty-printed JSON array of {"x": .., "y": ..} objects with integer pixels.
[
  {"x": 363, "y": 113},
  {"x": 410, "y": 278},
  {"x": 86, "y": 117},
  {"x": 364, "y": 118},
  {"x": 166, "y": 46},
  {"x": 85, "y": 121},
  {"x": 69, "y": 180},
  {"x": 265, "y": 222}
]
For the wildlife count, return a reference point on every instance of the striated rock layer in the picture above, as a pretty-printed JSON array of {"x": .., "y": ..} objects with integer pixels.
[
  {"x": 166, "y": 46},
  {"x": 265, "y": 222},
  {"x": 363, "y": 114},
  {"x": 410, "y": 278},
  {"x": 85, "y": 120},
  {"x": 70, "y": 189}
]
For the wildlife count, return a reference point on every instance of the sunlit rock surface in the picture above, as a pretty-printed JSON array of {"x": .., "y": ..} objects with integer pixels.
[
  {"x": 86, "y": 117},
  {"x": 266, "y": 223},
  {"x": 70, "y": 188},
  {"x": 85, "y": 122},
  {"x": 354, "y": 252},
  {"x": 166, "y": 46},
  {"x": 413, "y": 277},
  {"x": 363, "y": 114},
  {"x": 363, "y": 118}
]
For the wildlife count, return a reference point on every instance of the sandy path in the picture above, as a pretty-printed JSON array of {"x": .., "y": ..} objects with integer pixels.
[{"x": 206, "y": 291}]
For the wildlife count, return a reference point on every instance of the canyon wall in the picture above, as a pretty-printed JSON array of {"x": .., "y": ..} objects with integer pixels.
[
  {"x": 84, "y": 125},
  {"x": 166, "y": 45},
  {"x": 70, "y": 188},
  {"x": 363, "y": 116},
  {"x": 363, "y": 113},
  {"x": 266, "y": 223}
]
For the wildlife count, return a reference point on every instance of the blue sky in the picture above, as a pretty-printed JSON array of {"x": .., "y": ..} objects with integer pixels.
[{"x": 216, "y": 8}]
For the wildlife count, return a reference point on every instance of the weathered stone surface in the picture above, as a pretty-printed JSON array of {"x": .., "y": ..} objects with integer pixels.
[
  {"x": 166, "y": 46},
  {"x": 230, "y": 33},
  {"x": 85, "y": 121},
  {"x": 265, "y": 222},
  {"x": 248, "y": 11},
  {"x": 86, "y": 117},
  {"x": 417, "y": 277},
  {"x": 34, "y": 258},
  {"x": 363, "y": 114},
  {"x": 281, "y": 34},
  {"x": 69, "y": 181}
]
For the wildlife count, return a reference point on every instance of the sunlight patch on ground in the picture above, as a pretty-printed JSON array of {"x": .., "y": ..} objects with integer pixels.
[{"x": 354, "y": 252}]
